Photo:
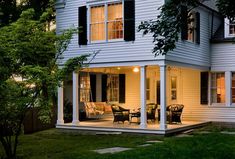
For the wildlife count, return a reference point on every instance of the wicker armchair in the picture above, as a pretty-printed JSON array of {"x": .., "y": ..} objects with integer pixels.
[
  {"x": 120, "y": 114},
  {"x": 151, "y": 111},
  {"x": 174, "y": 112}
]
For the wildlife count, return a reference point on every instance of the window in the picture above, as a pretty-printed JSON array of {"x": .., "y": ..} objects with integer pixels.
[
  {"x": 173, "y": 88},
  {"x": 113, "y": 88},
  {"x": 232, "y": 28},
  {"x": 106, "y": 22},
  {"x": 148, "y": 89},
  {"x": 233, "y": 87},
  {"x": 218, "y": 88},
  {"x": 85, "y": 89},
  {"x": 97, "y": 24},
  {"x": 191, "y": 27}
]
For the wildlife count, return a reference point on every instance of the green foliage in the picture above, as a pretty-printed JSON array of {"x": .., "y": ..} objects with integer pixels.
[
  {"x": 31, "y": 51},
  {"x": 15, "y": 99},
  {"x": 167, "y": 25},
  {"x": 227, "y": 8}
]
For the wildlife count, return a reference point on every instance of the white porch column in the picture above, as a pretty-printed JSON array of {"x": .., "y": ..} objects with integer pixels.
[
  {"x": 163, "y": 125},
  {"x": 228, "y": 79},
  {"x": 60, "y": 110},
  {"x": 143, "y": 117},
  {"x": 75, "y": 99}
]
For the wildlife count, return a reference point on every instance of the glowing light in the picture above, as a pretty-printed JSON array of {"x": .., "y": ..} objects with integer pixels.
[{"x": 136, "y": 69}]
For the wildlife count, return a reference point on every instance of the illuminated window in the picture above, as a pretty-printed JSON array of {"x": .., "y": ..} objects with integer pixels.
[
  {"x": 85, "y": 89},
  {"x": 191, "y": 27},
  {"x": 232, "y": 28},
  {"x": 148, "y": 89},
  {"x": 173, "y": 88},
  {"x": 218, "y": 88},
  {"x": 97, "y": 24},
  {"x": 113, "y": 88},
  {"x": 108, "y": 27}
]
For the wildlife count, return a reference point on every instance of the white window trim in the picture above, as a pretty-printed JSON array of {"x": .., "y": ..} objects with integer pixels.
[
  {"x": 92, "y": 3},
  {"x": 226, "y": 29}
]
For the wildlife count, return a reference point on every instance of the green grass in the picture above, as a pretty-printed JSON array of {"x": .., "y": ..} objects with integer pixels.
[{"x": 52, "y": 144}]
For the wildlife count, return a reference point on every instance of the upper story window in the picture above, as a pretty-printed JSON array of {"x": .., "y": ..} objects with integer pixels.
[
  {"x": 229, "y": 28},
  {"x": 232, "y": 28},
  {"x": 190, "y": 27},
  {"x": 218, "y": 88},
  {"x": 106, "y": 22}
]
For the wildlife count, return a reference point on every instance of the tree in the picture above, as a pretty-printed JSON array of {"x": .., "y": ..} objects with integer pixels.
[
  {"x": 30, "y": 51},
  {"x": 8, "y": 12},
  {"x": 227, "y": 8},
  {"x": 166, "y": 27}
]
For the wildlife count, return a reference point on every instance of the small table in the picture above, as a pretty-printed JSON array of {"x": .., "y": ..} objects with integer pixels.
[{"x": 135, "y": 115}]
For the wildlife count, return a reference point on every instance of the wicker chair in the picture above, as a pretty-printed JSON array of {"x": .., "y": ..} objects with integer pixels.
[
  {"x": 174, "y": 112},
  {"x": 120, "y": 114},
  {"x": 151, "y": 111}
]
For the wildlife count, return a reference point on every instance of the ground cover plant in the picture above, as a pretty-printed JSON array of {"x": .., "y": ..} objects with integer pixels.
[{"x": 209, "y": 142}]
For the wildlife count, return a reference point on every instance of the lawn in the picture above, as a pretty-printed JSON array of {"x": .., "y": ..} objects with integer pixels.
[{"x": 208, "y": 143}]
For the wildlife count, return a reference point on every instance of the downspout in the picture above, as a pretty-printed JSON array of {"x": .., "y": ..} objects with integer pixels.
[{"x": 212, "y": 24}]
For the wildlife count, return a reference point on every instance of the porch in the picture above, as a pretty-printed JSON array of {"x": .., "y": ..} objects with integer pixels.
[
  {"x": 159, "y": 84},
  {"x": 106, "y": 126}
]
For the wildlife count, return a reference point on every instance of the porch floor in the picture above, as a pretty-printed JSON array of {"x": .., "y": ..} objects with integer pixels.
[{"x": 107, "y": 125}]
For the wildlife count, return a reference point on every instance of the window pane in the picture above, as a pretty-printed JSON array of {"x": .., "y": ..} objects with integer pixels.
[
  {"x": 97, "y": 23},
  {"x": 233, "y": 80},
  {"x": 191, "y": 27},
  {"x": 115, "y": 21},
  {"x": 218, "y": 88},
  {"x": 85, "y": 89},
  {"x": 97, "y": 14},
  {"x": 113, "y": 88},
  {"x": 231, "y": 28},
  {"x": 173, "y": 82},
  {"x": 233, "y": 87}
]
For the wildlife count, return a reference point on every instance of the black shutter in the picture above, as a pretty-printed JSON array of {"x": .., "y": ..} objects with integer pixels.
[
  {"x": 184, "y": 23},
  {"x": 198, "y": 28},
  {"x": 204, "y": 87},
  {"x": 122, "y": 88},
  {"x": 82, "y": 24},
  {"x": 104, "y": 88},
  {"x": 129, "y": 20},
  {"x": 93, "y": 87}
]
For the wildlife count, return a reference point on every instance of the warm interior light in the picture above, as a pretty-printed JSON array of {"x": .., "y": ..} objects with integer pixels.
[
  {"x": 118, "y": 68},
  {"x": 136, "y": 69}
]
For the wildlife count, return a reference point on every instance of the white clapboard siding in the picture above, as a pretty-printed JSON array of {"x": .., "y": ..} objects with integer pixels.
[
  {"x": 140, "y": 49},
  {"x": 191, "y": 99},
  {"x": 189, "y": 52},
  {"x": 223, "y": 57}
]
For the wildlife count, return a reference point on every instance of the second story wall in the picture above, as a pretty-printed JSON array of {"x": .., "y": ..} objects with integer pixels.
[
  {"x": 194, "y": 53},
  {"x": 118, "y": 50},
  {"x": 223, "y": 56}
]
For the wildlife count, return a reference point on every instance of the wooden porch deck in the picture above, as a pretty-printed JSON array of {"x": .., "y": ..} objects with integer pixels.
[{"x": 107, "y": 125}]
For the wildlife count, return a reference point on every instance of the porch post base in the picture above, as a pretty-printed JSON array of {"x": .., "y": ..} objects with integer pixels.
[
  {"x": 143, "y": 125},
  {"x": 75, "y": 122},
  {"x": 163, "y": 126},
  {"x": 60, "y": 122}
]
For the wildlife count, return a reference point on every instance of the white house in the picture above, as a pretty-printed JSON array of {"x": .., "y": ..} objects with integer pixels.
[{"x": 199, "y": 73}]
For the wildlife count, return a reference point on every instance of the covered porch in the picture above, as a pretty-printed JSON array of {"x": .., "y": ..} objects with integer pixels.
[{"x": 131, "y": 87}]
